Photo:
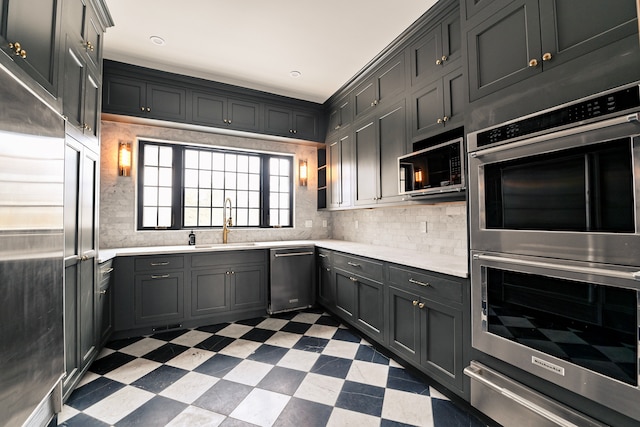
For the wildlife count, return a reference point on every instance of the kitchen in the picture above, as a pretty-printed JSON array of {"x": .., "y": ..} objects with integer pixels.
[{"x": 357, "y": 185}]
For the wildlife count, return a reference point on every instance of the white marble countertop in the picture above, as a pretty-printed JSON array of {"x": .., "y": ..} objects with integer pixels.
[{"x": 446, "y": 264}]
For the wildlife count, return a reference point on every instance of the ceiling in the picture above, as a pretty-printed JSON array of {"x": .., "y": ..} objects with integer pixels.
[{"x": 258, "y": 43}]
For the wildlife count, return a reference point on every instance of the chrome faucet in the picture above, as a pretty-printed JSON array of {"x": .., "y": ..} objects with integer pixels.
[{"x": 226, "y": 220}]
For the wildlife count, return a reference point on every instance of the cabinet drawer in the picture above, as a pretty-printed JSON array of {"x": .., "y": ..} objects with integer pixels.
[
  {"x": 156, "y": 263},
  {"x": 324, "y": 257},
  {"x": 361, "y": 266},
  {"x": 104, "y": 271},
  {"x": 225, "y": 258},
  {"x": 429, "y": 285}
]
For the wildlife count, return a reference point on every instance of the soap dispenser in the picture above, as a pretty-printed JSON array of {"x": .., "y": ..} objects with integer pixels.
[{"x": 192, "y": 239}]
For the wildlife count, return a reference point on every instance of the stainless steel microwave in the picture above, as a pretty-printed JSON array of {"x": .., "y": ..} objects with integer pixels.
[{"x": 433, "y": 170}]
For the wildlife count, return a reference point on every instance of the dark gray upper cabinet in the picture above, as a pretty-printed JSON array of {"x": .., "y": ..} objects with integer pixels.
[
  {"x": 29, "y": 34},
  {"x": 377, "y": 145},
  {"x": 474, "y": 6},
  {"x": 438, "y": 106},
  {"x": 221, "y": 111},
  {"x": 509, "y": 41},
  {"x": 340, "y": 114},
  {"x": 139, "y": 98},
  {"x": 382, "y": 86},
  {"x": 434, "y": 52},
  {"x": 283, "y": 121},
  {"x": 340, "y": 166},
  {"x": 84, "y": 31}
]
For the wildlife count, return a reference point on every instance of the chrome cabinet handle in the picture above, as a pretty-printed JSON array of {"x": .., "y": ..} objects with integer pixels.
[
  {"x": 293, "y": 254},
  {"x": 323, "y": 256},
  {"x": 416, "y": 282},
  {"x": 108, "y": 270},
  {"x": 353, "y": 264},
  {"x": 156, "y": 264},
  {"x": 353, "y": 279},
  {"x": 160, "y": 276}
]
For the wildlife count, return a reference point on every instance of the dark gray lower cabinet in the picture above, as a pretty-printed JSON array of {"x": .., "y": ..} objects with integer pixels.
[
  {"x": 404, "y": 324},
  {"x": 345, "y": 294},
  {"x": 326, "y": 286},
  {"x": 369, "y": 314},
  {"x": 104, "y": 305},
  {"x": 159, "y": 298}
]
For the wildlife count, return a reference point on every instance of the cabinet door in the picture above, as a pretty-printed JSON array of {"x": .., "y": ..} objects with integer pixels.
[
  {"x": 325, "y": 281},
  {"x": 243, "y": 115},
  {"x": 305, "y": 125},
  {"x": 104, "y": 314},
  {"x": 451, "y": 39},
  {"x": 248, "y": 287},
  {"x": 124, "y": 96},
  {"x": 339, "y": 172},
  {"x": 365, "y": 97},
  {"x": 340, "y": 114},
  {"x": 427, "y": 109},
  {"x": 164, "y": 102},
  {"x": 278, "y": 121},
  {"x": 404, "y": 324},
  {"x": 91, "y": 122},
  {"x": 442, "y": 354},
  {"x": 501, "y": 47},
  {"x": 210, "y": 110},
  {"x": 345, "y": 294},
  {"x": 572, "y": 28},
  {"x": 370, "y": 308},
  {"x": 426, "y": 56},
  {"x": 73, "y": 90},
  {"x": 474, "y": 6},
  {"x": 393, "y": 143},
  {"x": 367, "y": 163},
  {"x": 93, "y": 40},
  {"x": 390, "y": 79},
  {"x": 159, "y": 298},
  {"x": 454, "y": 98},
  {"x": 32, "y": 24},
  {"x": 210, "y": 292}
]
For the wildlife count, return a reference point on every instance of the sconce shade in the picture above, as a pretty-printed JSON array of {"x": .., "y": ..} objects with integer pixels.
[
  {"x": 124, "y": 159},
  {"x": 303, "y": 173}
]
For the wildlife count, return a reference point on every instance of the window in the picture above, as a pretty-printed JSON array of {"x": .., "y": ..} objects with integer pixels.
[{"x": 185, "y": 187}]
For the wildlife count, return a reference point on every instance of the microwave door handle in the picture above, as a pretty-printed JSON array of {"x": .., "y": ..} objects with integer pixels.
[
  {"x": 563, "y": 267},
  {"x": 635, "y": 118}
]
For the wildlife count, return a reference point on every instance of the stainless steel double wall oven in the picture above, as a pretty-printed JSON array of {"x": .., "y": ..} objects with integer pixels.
[{"x": 554, "y": 203}]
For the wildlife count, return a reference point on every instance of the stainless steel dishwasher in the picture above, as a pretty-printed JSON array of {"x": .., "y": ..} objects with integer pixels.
[{"x": 291, "y": 284}]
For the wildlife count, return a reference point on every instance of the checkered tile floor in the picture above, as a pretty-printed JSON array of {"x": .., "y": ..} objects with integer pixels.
[{"x": 295, "y": 369}]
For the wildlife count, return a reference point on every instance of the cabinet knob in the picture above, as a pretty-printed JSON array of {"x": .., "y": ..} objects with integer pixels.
[
  {"x": 142, "y": 109},
  {"x": 421, "y": 305},
  {"x": 533, "y": 63},
  {"x": 103, "y": 292},
  {"x": 225, "y": 120},
  {"x": 148, "y": 109},
  {"x": 445, "y": 118},
  {"x": 86, "y": 127},
  {"x": 444, "y": 58},
  {"x": 547, "y": 56},
  {"x": 229, "y": 121},
  {"x": 415, "y": 302},
  {"x": 438, "y": 61},
  {"x": 89, "y": 46},
  {"x": 290, "y": 130},
  {"x": 17, "y": 48},
  {"x": 353, "y": 279},
  {"x": 439, "y": 121}
]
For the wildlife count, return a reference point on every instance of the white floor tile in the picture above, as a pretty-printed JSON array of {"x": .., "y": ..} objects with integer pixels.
[
  {"x": 194, "y": 416},
  {"x": 133, "y": 370},
  {"x": 299, "y": 360},
  {"x": 306, "y": 317},
  {"x": 142, "y": 347},
  {"x": 88, "y": 377},
  {"x": 67, "y": 413},
  {"x": 191, "y": 359},
  {"x": 248, "y": 372},
  {"x": 368, "y": 373},
  {"x": 234, "y": 330},
  {"x": 118, "y": 405},
  {"x": 283, "y": 339},
  {"x": 105, "y": 352},
  {"x": 320, "y": 388},
  {"x": 191, "y": 338},
  {"x": 190, "y": 387},
  {"x": 345, "y": 418},
  {"x": 272, "y": 324},
  {"x": 343, "y": 349},
  {"x": 321, "y": 331},
  {"x": 240, "y": 348},
  {"x": 261, "y": 407},
  {"x": 407, "y": 408}
]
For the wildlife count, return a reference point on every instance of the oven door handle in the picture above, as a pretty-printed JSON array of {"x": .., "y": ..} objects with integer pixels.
[
  {"x": 629, "y": 118},
  {"x": 562, "y": 267}
]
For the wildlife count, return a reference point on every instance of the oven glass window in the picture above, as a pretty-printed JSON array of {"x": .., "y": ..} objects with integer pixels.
[
  {"x": 590, "y": 325},
  {"x": 581, "y": 189}
]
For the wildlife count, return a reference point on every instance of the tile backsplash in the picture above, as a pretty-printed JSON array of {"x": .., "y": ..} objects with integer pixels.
[{"x": 437, "y": 229}]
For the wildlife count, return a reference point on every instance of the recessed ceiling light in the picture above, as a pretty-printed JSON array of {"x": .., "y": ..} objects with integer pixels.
[
  {"x": 159, "y": 41},
  {"x": 295, "y": 74}
]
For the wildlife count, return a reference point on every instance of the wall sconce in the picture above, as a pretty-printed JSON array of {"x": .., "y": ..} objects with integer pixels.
[
  {"x": 124, "y": 159},
  {"x": 303, "y": 173}
]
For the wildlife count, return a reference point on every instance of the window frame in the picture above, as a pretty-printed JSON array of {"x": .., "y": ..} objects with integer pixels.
[{"x": 178, "y": 179}]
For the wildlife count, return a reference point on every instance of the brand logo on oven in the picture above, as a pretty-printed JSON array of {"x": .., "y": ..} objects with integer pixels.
[{"x": 547, "y": 365}]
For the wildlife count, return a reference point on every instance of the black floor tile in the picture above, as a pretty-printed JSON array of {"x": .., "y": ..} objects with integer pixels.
[
  {"x": 282, "y": 380},
  {"x": 259, "y": 335},
  {"x": 169, "y": 335},
  {"x": 300, "y": 412},
  {"x": 166, "y": 352},
  {"x": 215, "y": 343},
  {"x": 363, "y": 398},
  {"x": 223, "y": 397},
  {"x": 93, "y": 392},
  {"x": 400, "y": 379},
  {"x": 296, "y": 327},
  {"x": 110, "y": 362},
  {"x": 328, "y": 321},
  {"x": 83, "y": 420},
  {"x": 346, "y": 335},
  {"x": 212, "y": 329},
  {"x": 268, "y": 354},
  {"x": 312, "y": 344},
  {"x": 331, "y": 366},
  {"x": 159, "y": 379},
  {"x": 447, "y": 414},
  {"x": 156, "y": 412},
  {"x": 118, "y": 344},
  {"x": 251, "y": 322},
  {"x": 218, "y": 365},
  {"x": 370, "y": 354},
  {"x": 390, "y": 423}
]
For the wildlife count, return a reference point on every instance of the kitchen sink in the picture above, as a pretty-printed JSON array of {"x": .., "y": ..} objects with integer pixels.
[{"x": 223, "y": 245}]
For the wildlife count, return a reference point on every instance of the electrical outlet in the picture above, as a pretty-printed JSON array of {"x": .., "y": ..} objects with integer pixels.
[
  {"x": 356, "y": 225},
  {"x": 308, "y": 223},
  {"x": 423, "y": 226},
  {"x": 324, "y": 223}
]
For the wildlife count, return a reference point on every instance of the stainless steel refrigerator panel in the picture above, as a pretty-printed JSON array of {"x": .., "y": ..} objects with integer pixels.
[{"x": 291, "y": 281}]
